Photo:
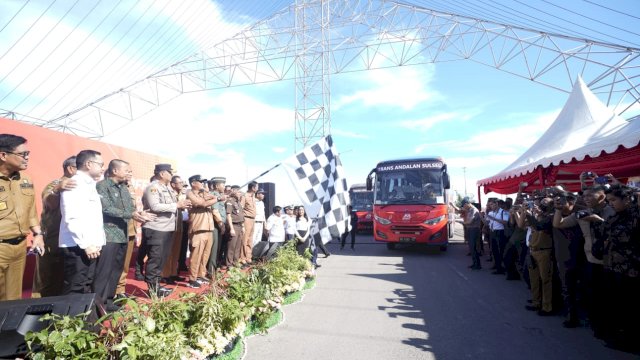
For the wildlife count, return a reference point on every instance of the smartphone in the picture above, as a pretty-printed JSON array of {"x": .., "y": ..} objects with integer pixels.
[{"x": 601, "y": 180}]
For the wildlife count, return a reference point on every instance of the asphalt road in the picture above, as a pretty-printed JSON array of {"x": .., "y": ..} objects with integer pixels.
[{"x": 411, "y": 303}]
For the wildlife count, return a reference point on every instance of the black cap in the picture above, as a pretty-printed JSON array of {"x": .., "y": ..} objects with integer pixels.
[
  {"x": 163, "y": 167},
  {"x": 196, "y": 178}
]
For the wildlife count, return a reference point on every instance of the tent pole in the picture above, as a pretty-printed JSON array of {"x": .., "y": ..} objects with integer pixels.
[
  {"x": 541, "y": 177},
  {"x": 479, "y": 198}
]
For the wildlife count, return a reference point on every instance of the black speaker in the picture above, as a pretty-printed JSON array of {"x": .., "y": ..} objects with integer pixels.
[
  {"x": 17, "y": 317},
  {"x": 269, "y": 197}
]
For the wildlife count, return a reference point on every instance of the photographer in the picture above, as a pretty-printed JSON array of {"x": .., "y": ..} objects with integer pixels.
[
  {"x": 540, "y": 220},
  {"x": 621, "y": 260},
  {"x": 591, "y": 221},
  {"x": 497, "y": 218},
  {"x": 568, "y": 243}
]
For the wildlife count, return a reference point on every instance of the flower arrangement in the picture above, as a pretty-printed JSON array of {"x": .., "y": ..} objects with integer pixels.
[{"x": 196, "y": 326}]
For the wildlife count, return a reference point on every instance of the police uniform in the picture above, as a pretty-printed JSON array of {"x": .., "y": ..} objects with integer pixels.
[
  {"x": 49, "y": 272},
  {"x": 235, "y": 215},
  {"x": 158, "y": 199},
  {"x": 17, "y": 216}
]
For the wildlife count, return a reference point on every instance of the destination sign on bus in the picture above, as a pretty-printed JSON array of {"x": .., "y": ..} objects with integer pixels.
[{"x": 411, "y": 166}]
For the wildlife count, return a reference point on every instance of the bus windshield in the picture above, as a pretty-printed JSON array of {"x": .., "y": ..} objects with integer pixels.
[
  {"x": 362, "y": 200},
  {"x": 415, "y": 186}
]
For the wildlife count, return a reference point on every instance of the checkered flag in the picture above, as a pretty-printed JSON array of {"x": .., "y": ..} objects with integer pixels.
[{"x": 317, "y": 175}]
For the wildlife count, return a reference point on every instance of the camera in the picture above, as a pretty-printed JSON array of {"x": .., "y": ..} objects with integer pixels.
[
  {"x": 530, "y": 204},
  {"x": 583, "y": 213},
  {"x": 590, "y": 174},
  {"x": 601, "y": 180}
]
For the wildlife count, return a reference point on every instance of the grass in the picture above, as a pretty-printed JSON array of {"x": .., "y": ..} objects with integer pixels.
[
  {"x": 273, "y": 320},
  {"x": 234, "y": 354},
  {"x": 309, "y": 284},
  {"x": 294, "y": 297}
]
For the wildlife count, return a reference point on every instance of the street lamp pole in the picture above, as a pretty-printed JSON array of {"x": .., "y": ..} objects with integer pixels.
[{"x": 464, "y": 172}]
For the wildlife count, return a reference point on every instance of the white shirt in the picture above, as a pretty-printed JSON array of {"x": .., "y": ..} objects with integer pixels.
[
  {"x": 260, "y": 216},
  {"x": 275, "y": 226},
  {"x": 81, "y": 212},
  {"x": 303, "y": 224},
  {"x": 290, "y": 224},
  {"x": 499, "y": 214}
]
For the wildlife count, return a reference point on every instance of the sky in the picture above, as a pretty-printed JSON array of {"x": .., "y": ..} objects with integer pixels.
[{"x": 56, "y": 57}]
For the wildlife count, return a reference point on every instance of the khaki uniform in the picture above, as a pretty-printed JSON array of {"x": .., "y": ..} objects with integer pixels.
[
  {"x": 49, "y": 273},
  {"x": 235, "y": 220},
  {"x": 17, "y": 216},
  {"x": 122, "y": 283},
  {"x": 201, "y": 228},
  {"x": 249, "y": 207},
  {"x": 541, "y": 268}
]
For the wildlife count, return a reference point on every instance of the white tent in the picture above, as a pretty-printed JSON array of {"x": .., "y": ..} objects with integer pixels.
[{"x": 585, "y": 126}]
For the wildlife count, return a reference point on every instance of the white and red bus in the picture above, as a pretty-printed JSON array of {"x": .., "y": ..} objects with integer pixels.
[
  {"x": 362, "y": 204},
  {"x": 411, "y": 202}
]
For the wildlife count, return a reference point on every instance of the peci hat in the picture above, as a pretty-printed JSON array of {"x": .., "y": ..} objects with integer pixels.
[
  {"x": 196, "y": 178},
  {"x": 162, "y": 167},
  {"x": 218, "y": 179},
  {"x": 464, "y": 201},
  {"x": 261, "y": 191}
]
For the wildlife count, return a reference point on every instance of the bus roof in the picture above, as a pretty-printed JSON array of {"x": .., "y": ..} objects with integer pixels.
[{"x": 408, "y": 159}]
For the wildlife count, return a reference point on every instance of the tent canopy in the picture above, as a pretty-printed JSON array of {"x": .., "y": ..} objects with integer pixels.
[{"x": 585, "y": 136}]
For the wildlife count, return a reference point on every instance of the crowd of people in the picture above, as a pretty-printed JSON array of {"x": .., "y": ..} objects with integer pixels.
[
  {"x": 88, "y": 229},
  {"x": 579, "y": 253}
]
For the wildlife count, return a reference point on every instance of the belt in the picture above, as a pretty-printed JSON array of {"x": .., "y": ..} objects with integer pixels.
[
  {"x": 498, "y": 230},
  {"x": 238, "y": 223},
  {"x": 541, "y": 249},
  {"x": 13, "y": 241},
  {"x": 248, "y": 217},
  {"x": 259, "y": 221}
]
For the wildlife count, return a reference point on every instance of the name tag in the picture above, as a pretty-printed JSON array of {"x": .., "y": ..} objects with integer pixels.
[{"x": 26, "y": 186}]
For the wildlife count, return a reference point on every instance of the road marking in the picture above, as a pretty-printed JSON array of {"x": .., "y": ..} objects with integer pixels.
[{"x": 458, "y": 272}]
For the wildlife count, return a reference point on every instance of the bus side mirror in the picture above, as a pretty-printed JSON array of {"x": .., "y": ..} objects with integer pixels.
[
  {"x": 369, "y": 184},
  {"x": 446, "y": 181}
]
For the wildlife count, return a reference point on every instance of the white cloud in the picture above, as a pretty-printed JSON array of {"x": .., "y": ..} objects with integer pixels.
[
  {"x": 403, "y": 87},
  {"x": 348, "y": 134},
  {"x": 279, "y": 150},
  {"x": 428, "y": 122}
]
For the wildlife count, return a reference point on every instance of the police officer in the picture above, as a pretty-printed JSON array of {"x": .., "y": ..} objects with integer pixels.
[
  {"x": 48, "y": 276},
  {"x": 158, "y": 199},
  {"x": 18, "y": 215},
  {"x": 235, "y": 219}
]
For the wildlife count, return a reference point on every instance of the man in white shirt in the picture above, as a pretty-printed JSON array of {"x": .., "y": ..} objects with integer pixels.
[
  {"x": 275, "y": 227},
  {"x": 497, "y": 219},
  {"x": 289, "y": 223},
  {"x": 81, "y": 229}
]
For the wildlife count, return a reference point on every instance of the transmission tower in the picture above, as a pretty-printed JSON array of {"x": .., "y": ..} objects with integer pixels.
[{"x": 313, "y": 39}]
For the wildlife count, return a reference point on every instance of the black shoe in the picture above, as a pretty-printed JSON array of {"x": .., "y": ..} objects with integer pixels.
[
  {"x": 123, "y": 296},
  {"x": 529, "y": 301},
  {"x": 316, "y": 265},
  {"x": 139, "y": 277},
  {"x": 193, "y": 284},
  {"x": 544, "y": 313},
  {"x": 112, "y": 308},
  {"x": 498, "y": 272},
  {"x": 163, "y": 291},
  {"x": 177, "y": 278},
  {"x": 327, "y": 255},
  {"x": 532, "y": 307},
  {"x": 513, "y": 277},
  {"x": 168, "y": 281},
  {"x": 202, "y": 281}
]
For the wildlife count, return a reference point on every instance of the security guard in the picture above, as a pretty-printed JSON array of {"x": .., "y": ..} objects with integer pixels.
[
  {"x": 158, "y": 199},
  {"x": 18, "y": 215},
  {"x": 235, "y": 217}
]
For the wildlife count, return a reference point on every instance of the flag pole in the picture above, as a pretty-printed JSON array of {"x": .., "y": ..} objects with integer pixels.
[{"x": 261, "y": 175}]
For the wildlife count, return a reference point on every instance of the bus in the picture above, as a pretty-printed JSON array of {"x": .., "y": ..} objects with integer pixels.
[
  {"x": 410, "y": 202},
  {"x": 362, "y": 204}
]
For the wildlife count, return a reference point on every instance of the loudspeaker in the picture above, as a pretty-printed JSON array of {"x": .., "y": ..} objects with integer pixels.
[
  {"x": 269, "y": 197},
  {"x": 17, "y": 317}
]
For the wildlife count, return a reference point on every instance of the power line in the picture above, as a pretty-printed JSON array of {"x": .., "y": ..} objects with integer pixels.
[
  {"x": 610, "y": 9},
  {"x": 46, "y": 58}
]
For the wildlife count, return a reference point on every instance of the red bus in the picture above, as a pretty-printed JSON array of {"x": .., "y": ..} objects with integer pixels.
[
  {"x": 362, "y": 204},
  {"x": 410, "y": 203}
]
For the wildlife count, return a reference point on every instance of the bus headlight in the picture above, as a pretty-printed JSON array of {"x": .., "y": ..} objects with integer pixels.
[
  {"x": 434, "y": 220},
  {"x": 382, "y": 220}
]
